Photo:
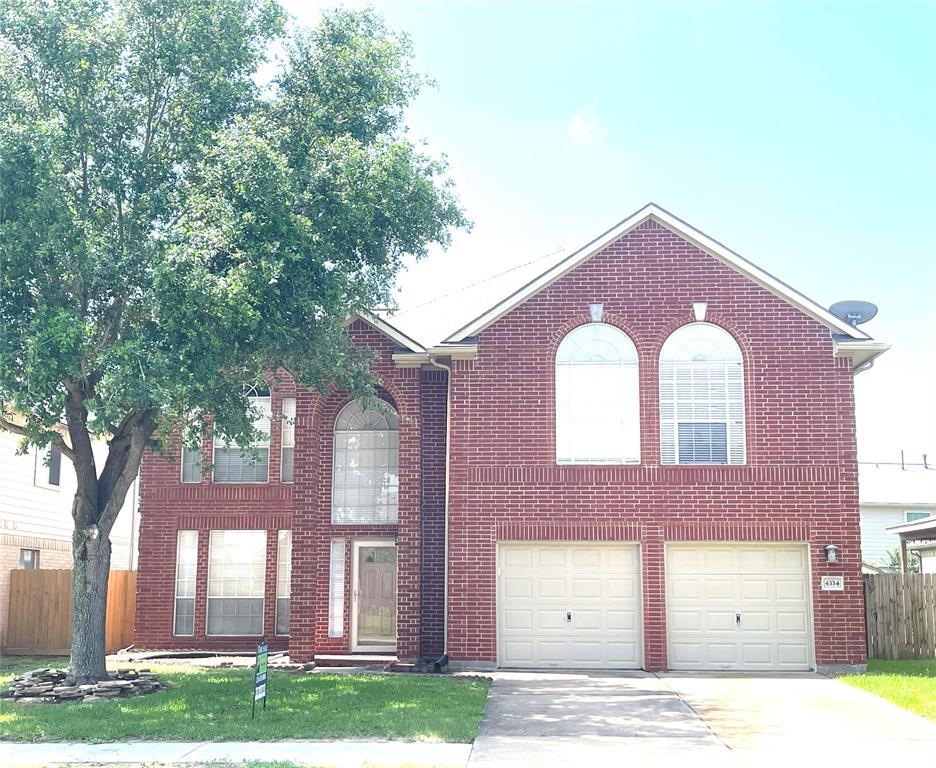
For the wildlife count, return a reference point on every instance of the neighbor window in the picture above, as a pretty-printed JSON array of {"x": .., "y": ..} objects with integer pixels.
[
  {"x": 336, "y": 582},
  {"x": 49, "y": 467},
  {"x": 701, "y": 397},
  {"x": 29, "y": 559},
  {"x": 233, "y": 464},
  {"x": 365, "y": 474},
  {"x": 288, "y": 439},
  {"x": 597, "y": 397},
  {"x": 236, "y": 577},
  {"x": 283, "y": 577},
  {"x": 912, "y": 517},
  {"x": 186, "y": 564}
]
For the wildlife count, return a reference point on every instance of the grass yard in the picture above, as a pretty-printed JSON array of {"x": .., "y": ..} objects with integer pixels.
[
  {"x": 908, "y": 684},
  {"x": 214, "y": 705}
]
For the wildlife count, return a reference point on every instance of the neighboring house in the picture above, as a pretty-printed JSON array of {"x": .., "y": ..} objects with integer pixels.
[
  {"x": 645, "y": 458},
  {"x": 36, "y": 493},
  {"x": 888, "y": 495},
  {"x": 918, "y": 536}
]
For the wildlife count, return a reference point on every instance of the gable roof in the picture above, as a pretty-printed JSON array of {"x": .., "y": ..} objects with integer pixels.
[
  {"x": 679, "y": 227},
  {"x": 391, "y": 332}
]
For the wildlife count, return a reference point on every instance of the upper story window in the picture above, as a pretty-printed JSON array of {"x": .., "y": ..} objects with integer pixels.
[
  {"x": 233, "y": 464},
  {"x": 597, "y": 397},
  {"x": 701, "y": 397},
  {"x": 365, "y": 475},
  {"x": 288, "y": 448},
  {"x": 49, "y": 467}
]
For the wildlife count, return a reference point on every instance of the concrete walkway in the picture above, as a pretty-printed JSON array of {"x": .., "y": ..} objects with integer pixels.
[
  {"x": 341, "y": 754},
  {"x": 600, "y": 719}
]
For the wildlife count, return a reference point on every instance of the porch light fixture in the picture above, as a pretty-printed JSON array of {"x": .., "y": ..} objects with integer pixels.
[
  {"x": 831, "y": 553},
  {"x": 698, "y": 310},
  {"x": 596, "y": 311}
]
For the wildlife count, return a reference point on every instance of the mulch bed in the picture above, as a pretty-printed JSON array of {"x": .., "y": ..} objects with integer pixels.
[{"x": 50, "y": 686}]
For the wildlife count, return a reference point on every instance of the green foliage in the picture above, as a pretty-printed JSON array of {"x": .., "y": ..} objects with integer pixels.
[
  {"x": 214, "y": 705},
  {"x": 168, "y": 228},
  {"x": 893, "y": 560}
]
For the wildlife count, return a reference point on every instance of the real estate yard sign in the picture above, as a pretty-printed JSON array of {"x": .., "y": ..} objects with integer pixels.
[{"x": 260, "y": 680}]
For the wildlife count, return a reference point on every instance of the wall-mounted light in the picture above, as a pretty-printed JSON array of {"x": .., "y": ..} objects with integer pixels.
[
  {"x": 831, "y": 553},
  {"x": 698, "y": 310},
  {"x": 596, "y": 311}
]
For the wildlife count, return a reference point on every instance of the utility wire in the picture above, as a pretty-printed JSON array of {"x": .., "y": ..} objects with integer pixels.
[{"x": 479, "y": 282}]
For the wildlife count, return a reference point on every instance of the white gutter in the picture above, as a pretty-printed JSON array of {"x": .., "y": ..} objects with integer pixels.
[{"x": 445, "y": 535}]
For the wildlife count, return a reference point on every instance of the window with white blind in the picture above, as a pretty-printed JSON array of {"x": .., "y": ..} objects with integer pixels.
[
  {"x": 365, "y": 470},
  {"x": 236, "y": 578},
  {"x": 191, "y": 464},
  {"x": 336, "y": 581},
  {"x": 288, "y": 439},
  {"x": 701, "y": 397},
  {"x": 283, "y": 580},
  {"x": 233, "y": 464},
  {"x": 183, "y": 623},
  {"x": 597, "y": 397}
]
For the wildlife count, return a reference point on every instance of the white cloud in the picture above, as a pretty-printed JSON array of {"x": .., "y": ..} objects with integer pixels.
[{"x": 584, "y": 128}]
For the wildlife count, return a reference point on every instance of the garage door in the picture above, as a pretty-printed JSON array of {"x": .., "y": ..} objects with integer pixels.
[
  {"x": 569, "y": 605},
  {"x": 742, "y": 606}
]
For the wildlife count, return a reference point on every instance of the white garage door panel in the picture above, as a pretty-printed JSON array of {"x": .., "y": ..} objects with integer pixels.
[
  {"x": 709, "y": 585},
  {"x": 539, "y": 585}
]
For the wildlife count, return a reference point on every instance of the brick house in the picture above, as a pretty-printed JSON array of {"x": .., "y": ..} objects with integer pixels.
[{"x": 645, "y": 458}]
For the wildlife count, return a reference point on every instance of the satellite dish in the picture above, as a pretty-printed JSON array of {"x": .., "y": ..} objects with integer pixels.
[{"x": 854, "y": 312}]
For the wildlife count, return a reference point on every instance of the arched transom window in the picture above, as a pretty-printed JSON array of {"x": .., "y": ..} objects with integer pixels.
[
  {"x": 701, "y": 397},
  {"x": 597, "y": 403},
  {"x": 365, "y": 475}
]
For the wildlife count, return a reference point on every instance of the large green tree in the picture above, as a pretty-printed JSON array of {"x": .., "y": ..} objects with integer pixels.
[{"x": 170, "y": 227}]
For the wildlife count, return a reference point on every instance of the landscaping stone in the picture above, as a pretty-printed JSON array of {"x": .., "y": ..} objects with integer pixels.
[{"x": 49, "y": 686}]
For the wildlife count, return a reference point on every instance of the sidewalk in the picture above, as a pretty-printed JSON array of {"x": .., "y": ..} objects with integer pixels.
[{"x": 342, "y": 754}]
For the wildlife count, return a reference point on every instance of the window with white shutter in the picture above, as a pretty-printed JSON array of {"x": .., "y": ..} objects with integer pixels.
[
  {"x": 233, "y": 464},
  {"x": 597, "y": 397},
  {"x": 236, "y": 578},
  {"x": 701, "y": 397},
  {"x": 365, "y": 468},
  {"x": 186, "y": 563},
  {"x": 283, "y": 580},
  {"x": 288, "y": 439}
]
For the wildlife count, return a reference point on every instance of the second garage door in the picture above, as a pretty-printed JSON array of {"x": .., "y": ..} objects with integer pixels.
[
  {"x": 569, "y": 605},
  {"x": 738, "y": 606}
]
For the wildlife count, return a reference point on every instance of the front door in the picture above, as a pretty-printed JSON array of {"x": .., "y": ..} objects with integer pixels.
[{"x": 373, "y": 613}]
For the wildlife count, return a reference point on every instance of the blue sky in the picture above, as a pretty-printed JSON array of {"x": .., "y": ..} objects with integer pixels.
[{"x": 801, "y": 135}]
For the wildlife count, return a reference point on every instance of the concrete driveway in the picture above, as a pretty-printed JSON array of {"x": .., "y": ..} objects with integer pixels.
[{"x": 603, "y": 719}]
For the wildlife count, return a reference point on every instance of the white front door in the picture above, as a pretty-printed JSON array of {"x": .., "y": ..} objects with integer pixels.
[
  {"x": 738, "y": 606},
  {"x": 373, "y": 597},
  {"x": 569, "y": 605}
]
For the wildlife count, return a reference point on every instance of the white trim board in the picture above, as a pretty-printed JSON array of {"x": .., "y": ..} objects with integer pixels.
[
  {"x": 687, "y": 232},
  {"x": 391, "y": 332}
]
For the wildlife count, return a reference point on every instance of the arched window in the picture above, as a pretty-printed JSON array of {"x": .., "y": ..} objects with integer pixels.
[
  {"x": 701, "y": 397},
  {"x": 597, "y": 403},
  {"x": 365, "y": 474}
]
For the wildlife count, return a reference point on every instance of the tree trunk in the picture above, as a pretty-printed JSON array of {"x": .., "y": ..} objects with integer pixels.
[{"x": 92, "y": 552}]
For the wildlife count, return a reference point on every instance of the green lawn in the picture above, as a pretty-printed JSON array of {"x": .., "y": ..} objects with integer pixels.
[
  {"x": 214, "y": 705},
  {"x": 909, "y": 684}
]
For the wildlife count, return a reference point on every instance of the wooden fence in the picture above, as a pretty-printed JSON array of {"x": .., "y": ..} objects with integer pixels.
[
  {"x": 40, "y": 612},
  {"x": 900, "y": 612}
]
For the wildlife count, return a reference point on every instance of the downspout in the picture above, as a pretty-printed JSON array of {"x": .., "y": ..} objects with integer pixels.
[{"x": 445, "y": 534}]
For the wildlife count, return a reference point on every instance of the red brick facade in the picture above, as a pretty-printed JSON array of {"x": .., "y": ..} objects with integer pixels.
[{"x": 799, "y": 483}]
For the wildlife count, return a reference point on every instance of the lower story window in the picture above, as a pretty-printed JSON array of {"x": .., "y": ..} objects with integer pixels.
[
  {"x": 29, "y": 559},
  {"x": 336, "y": 588},
  {"x": 186, "y": 563},
  {"x": 283, "y": 577},
  {"x": 236, "y": 577}
]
